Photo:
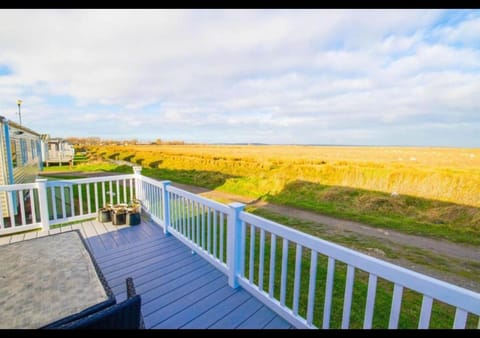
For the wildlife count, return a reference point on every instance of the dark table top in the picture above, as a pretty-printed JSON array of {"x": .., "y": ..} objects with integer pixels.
[{"x": 45, "y": 279}]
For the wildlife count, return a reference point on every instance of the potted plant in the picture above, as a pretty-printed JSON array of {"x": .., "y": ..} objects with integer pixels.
[
  {"x": 104, "y": 214},
  {"x": 133, "y": 213},
  {"x": 119, "y": 214}
]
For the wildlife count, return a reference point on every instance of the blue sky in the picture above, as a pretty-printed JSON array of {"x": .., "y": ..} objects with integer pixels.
[{"x": 366, "y": 77}]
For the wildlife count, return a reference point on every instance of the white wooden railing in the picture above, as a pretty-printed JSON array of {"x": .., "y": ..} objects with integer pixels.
[{"x": 308, "y": 281}]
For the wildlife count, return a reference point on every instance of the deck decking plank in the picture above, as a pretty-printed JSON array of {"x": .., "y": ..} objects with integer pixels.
[
  {"x": 219, "y": 311},
  {"x": 180, "y": 292},
  {"x": 151, "y": 291},
  {"x": 94, "y": 242},
  {"x": 238, "y": 315},
  {"x": 104, "y": 235},
  {"x": 135, "y": 252},
  {"x": 135, "y": 265},
  {"x": 258, "y": 319},
  {"x": 180, "y": 312},
  {"x": 277, "y": 323},
  {"x": 156, "y": 273}
]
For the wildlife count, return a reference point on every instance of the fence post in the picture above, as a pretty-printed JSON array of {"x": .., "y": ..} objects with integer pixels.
[
  {"x": 43, "y": 202},
  {"x": 137, "y": 172},
  {"x": 235, "y": 253},
  {"x": 166, "y": 207}
]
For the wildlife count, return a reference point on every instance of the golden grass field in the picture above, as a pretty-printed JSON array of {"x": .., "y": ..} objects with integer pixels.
[
  {"x": 444, "y": 174},
  {"x": 423, "y": 191}
]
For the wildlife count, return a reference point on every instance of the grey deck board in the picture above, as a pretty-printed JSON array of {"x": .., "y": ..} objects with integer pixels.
[
  {"x": 258, "y": 319},
  {"x": 277, "y": 323},
  {"x": 166, "y": 311},
  {"x": 154, "y": 270},
  {"x": 178, "y": 289},
  {"x": 238, "y": 315},
  {"x": 179, "y": 292},
  {"x": 194, "y": 310},
  {"x": 219, "y": 311}
]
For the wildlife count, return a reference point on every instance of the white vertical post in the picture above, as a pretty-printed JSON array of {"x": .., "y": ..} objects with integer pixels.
[
  {"x": 234, "y": 243},
  {"x": 42, "y": 200},
  {"x": 137, "y": 171},
  {"x": 165, "y": 206}
]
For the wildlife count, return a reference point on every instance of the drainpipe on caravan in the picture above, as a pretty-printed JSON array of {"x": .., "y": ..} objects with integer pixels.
[{"x": 6, "y": 131}]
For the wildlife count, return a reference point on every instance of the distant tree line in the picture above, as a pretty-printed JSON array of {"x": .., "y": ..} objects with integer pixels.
[{"x": 93, "y": 140}]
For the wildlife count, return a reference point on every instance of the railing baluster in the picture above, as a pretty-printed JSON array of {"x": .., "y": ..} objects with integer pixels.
[
  {"x": 89, "y": 204},
  {"x": 243, "y": 244},
  {"x": 251, "y": 253},
  {"x": 95, "y": 189},
  {"x": 188, "y": 219},
  {"x": 33, "y": 209},
  {"x": 215, "y": 233},
  {"x": 111, "y": 191},
  {"x": 204, "y": 208},
  {"x": 72, "y": 206},
  {"x": 425, "y": 313},
  {"x": 10, "y": 207},
  {"x": 271, "y": 282},
  {"x": 199, "y": 223},
  {"x": 297, "y": 279},
  {"x": 311, "y": 286},
  {"x": 328, "y": 293},
  {"x": 208, "y": 230},
  {"x": 104, "y": 201},
  {"x": 132, "y": 186},
  {"x": 22, "y": 207},
  {"x": 118, "y": 192},
  {"x": 79, "y": 187},
  {"x": 64, "y": 204},
  {"x": 370, "y": 304},
  {"x": 460, "y": 319},
  {"x": 261, "y": 259},
  {"x": 53, "y": 190},
  {"x": 124, "y": 182},
  {"x": 347, "y": 301},
  {"x": 194, "y": 220},
  {"x": 283, "y": 282},
  {"x": 222, "y": 226},
  {"x": 396, "y": 305},
  {"x": 182, "y": 209}
]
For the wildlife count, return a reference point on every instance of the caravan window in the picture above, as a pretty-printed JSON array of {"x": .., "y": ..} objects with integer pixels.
[
  {"x": 13, "y": 149},
  {"x": 32, "y": 146}
]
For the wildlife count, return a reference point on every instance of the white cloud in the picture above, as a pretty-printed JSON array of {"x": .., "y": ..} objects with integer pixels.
[{"x": 309, "y": 73}]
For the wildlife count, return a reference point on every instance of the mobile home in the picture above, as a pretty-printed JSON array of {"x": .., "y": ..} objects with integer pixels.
[
  {"x": 57, "y": 150},
  {"x": 20, "y": 156}
]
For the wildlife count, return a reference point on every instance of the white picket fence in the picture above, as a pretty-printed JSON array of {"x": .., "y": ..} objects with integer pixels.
[{"x": 282, "y": 267}]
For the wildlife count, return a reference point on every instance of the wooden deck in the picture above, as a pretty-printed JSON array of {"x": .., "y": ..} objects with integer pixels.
[{"x": 179, "y": 289}]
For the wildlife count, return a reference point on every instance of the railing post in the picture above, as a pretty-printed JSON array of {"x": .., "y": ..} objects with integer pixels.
[
  {"x": 43, "y": 203},
  {"x": 166, "y": 206},
  {"x": 137, "y": 172},
  {"x": 234, "y": 243}
]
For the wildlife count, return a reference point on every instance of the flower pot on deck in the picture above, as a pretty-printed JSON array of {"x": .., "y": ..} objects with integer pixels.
[
  {"x": 104, "y": 215},
  {"x": 119, "y": 216},
  {"x": 133, "y": 218}
]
